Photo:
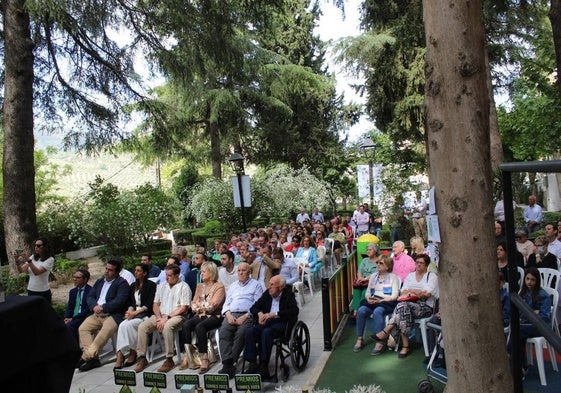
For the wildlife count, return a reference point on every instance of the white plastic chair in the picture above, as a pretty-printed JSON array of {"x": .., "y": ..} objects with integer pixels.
[
  {"x": 158, "y": 343},
  {"x": 539, "y": 343},
  {"x": 305, "y": 273},
  {"x": 288, "y": 255},
  {"x": 547, "y": 277},
  {"x": 520, "y": 277},
  {"x": 330, "y": 248}
]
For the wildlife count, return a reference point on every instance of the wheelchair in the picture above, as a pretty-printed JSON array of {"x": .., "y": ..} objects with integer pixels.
[{"x": 296, "y": 346}]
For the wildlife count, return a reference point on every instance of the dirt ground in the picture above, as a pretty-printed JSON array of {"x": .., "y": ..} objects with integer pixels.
[{"x": 61, "y": 287}]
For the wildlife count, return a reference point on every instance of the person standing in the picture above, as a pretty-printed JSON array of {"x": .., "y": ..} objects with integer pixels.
[
  {"x": 317, "y": 216},
  {"x": 532, "y": 215},
  {"x": 77, "y": 307},
  {"x": 419, "y": 220},
  {"x": 302, "y": 216},
  {"x": 362, "y": 219},
  {"x": 39, "y": 265}
]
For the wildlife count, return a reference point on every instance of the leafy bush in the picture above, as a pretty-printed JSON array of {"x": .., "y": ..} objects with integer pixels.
[
  {"x": 13, "y": 285},
  {"x": 110, "y": 217}
]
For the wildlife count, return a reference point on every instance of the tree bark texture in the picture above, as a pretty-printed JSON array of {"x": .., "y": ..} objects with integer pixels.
[
  {"x": 20, "y": 225},
  {"x": 457, "y": 109},
  {"x": 497, "y": 155},
  {"x": 555, "y": 18}
]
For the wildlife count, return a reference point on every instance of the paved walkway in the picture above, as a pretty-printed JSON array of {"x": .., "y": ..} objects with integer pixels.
[{"x": 101, "y": 380}]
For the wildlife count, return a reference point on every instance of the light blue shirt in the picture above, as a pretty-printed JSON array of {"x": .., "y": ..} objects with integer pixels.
[
  {"x": 240, "y": 297},
  {"x": 533, "y": 213},
  {"x": 289, "y": 271}
]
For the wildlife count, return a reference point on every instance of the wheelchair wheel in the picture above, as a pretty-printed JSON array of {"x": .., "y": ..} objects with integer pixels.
[
  {"x": 300, "y": 346},
  {"x": 425, "y": 386}
]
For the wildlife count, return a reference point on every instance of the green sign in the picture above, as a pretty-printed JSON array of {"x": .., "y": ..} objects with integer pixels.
[
  {"x": 125, "y": 389},
  {"x": 157, "y": 380},
  {"x": 186, "y": 379},
  {"x": 154, "y": 390},
  {"x": 217, "y": 382},
  {"x": 246, "y": 382},
  {"x": 124, "y": 377}
]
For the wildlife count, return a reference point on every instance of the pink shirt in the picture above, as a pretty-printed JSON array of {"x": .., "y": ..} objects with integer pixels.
[{"x": 403, "y": 264}]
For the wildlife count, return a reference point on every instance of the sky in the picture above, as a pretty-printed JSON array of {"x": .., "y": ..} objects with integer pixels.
[{"x": 332, "y": 27}]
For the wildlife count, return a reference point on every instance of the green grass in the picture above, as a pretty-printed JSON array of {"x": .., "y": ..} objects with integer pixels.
[{"x": 345, "y": 368}]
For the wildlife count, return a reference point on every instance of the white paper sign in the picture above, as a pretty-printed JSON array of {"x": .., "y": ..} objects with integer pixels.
[{"x": 433, "y": 230}]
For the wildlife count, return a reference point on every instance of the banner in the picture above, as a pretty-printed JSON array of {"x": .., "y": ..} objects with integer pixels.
[{"x": 363, "y": 181}]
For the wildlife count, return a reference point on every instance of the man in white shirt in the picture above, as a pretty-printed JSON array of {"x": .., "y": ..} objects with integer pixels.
[
  {"x": 170, "y": 305},
  {"x": 228, "y": 273},
  {"x": 127, "y": 276},
  {"x": 302, "y": 216},
  {"x": 240, "y": 296}
]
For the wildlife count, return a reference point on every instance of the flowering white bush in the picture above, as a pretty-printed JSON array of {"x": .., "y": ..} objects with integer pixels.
[{"x": 278, "y": 192}]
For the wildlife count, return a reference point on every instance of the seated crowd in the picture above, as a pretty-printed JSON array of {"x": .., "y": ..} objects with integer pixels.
[{"x": 242, "y": 288}]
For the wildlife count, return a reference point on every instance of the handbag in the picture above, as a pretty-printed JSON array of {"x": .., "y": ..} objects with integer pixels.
[
  {"x": 194, "y": 355},
  {"x": 359, "y": 284},
  {"x": 408, "y": 298}
]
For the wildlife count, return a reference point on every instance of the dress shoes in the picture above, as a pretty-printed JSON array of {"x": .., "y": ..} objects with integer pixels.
[
  {"x": 90, "y": 364},
  {"x": 253, "y": 368},
  {"x": 167, "y": 365},
  {"x": 228, "y": 369},
  {"x": 141, "y": 364}
]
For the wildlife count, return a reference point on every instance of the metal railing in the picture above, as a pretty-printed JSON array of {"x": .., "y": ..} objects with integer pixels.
[
  {"x": 337, "y": 292},
  {"x": 519, "y": 305}
]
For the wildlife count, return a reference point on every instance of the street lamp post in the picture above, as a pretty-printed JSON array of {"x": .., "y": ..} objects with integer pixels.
[
  {"x": 366, "y": 145},
  {"x": 236, "y": 161}
]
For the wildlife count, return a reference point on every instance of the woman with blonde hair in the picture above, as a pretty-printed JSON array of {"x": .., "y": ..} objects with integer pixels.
[{"x": 206, "y": 306}]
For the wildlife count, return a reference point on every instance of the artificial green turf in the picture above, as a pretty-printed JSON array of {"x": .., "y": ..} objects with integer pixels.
[{"x": 345, "y": 368}]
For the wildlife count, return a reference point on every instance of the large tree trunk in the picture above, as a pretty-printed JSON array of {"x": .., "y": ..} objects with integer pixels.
[
  {"x": 497, "y": 155},
  {"x": 20, "y": 225},
  {"x": 457, "y": 108},
  {"x": 555, "y": 18}
]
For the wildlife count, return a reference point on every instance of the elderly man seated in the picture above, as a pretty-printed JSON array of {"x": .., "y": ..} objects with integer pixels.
[
  {"x": 240, "y": 296},
  {"x": 275, "y": 312}
]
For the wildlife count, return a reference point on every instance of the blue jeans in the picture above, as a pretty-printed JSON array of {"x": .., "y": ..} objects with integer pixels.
[{"x": 378, "y": 312}]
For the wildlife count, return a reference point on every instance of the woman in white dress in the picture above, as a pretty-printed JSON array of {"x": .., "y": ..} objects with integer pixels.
[{"x": 141, "y": 299}]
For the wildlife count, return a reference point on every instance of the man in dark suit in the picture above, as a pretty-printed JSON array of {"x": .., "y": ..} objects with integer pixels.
[
  {"x": 77, "y": 308},
  {"x": 108, "y": 301},
  {"x": 276, "y": 312}
]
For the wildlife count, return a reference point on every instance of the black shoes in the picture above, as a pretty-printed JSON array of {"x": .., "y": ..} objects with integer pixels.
[
  {"x": 252, "y": 369},
  {"x": 90, "y": 364},
  {"x": 228, "y": 369}
]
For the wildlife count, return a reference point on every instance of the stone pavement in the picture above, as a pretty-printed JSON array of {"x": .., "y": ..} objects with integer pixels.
[{"x": 101, "y": 380}]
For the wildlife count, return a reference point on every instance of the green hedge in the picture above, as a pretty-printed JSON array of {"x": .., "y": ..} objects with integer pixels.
[
  {"x": 184, "y": 236},
  {"x": 13, "y": 285}
]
